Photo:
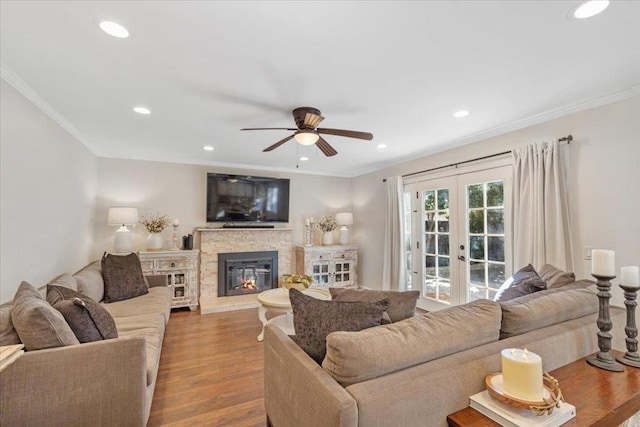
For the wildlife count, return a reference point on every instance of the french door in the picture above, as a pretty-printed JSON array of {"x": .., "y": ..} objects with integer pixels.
[{"x": 459, "y": 239}]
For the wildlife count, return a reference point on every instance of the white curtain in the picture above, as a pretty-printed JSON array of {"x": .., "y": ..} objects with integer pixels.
[
  {"x": 541, "y": 228},
  {"x": 394, "y": 264}
]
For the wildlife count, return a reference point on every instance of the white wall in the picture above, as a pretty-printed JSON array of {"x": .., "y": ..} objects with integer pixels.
[
  {"x": 179, "y": 191},
  {"x": 47, "y": 196},
  {"x": 604, "y": 185}
]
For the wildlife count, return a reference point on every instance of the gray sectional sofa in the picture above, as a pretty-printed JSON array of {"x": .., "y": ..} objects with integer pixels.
[
  {"x": 103, "y": 383},
  {"x": 417, "y": 371}
]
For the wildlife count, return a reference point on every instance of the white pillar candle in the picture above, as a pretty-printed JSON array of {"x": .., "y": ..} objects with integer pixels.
[
  {"x": 176, "y": 222},
  {"x": 522, "y": 374},
  {"x": 630, "y": 276},
  {"x": 307, "y": 221},
  {"x": 603, "y": 262}
]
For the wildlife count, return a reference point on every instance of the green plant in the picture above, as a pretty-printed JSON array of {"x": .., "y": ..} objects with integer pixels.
[{"x": 296, "y": 278}]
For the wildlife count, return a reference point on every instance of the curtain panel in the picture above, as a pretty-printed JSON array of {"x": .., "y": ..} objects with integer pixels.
[
  {"x": 541, "y": 226},
  {"x": 394, "y": 262}
]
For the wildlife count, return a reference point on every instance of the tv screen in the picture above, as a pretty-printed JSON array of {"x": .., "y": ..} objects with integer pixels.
[{"x": 238, "y": 198}]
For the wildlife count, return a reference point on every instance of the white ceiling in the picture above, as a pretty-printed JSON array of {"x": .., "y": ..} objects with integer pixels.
[{"x": 396, "y": 69}]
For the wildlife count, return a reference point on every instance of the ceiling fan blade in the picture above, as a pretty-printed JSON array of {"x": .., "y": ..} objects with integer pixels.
[
  {"x": 347, "y": 133},
  {"x": 312, "y": 120},
  {"x": 324, "y": 146},
  {"x": 289, "y": 129},
  {"x": 278, "y": 144}
]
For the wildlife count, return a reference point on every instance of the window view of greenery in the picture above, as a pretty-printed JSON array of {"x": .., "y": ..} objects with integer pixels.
[
  {"x": 486, "y": 266},
  {"x": 407, "y": 238},
  {"x": 436, "y": 245}
]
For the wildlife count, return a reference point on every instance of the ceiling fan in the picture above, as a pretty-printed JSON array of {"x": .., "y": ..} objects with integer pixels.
[{"x": 307, "y": 118}]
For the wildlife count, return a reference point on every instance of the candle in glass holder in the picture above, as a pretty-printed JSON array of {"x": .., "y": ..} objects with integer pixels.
[
  {"x": 522, "y": 374},
  {"x": 630, "y": 276},
  {"x": 603, "y": 263}
]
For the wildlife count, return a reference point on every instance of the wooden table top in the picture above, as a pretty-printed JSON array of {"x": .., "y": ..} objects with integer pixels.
[{"x": 602, "y": 398}]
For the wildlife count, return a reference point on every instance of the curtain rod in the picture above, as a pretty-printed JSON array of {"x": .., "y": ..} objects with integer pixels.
[{"x": 566, "y": 139}]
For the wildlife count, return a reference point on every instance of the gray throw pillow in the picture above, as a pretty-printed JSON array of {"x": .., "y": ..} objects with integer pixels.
[
  {"x": 90, "y": 281},
  {"x": 314, "y": 319},
  {"x": 66, "y": 280},
  {"x": 8, "y": 334},
  {"x": 554, "y": 277},
  {"x": 526, "y": 281},
  {"x": 88, "y": 320},
  {"x": 38, "y": 324},
  {"x": 123, "y": 278},
  {"x": 402, "y": 304}
]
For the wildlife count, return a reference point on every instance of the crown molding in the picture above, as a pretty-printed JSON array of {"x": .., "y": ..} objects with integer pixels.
[
  {"x": 28, "y": 92},
  {"x": 507, "y": 128}
]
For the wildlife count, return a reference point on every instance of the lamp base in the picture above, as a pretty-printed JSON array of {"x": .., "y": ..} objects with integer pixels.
[
  {"x": 344, "y": 235},
  {"x": 122, "y": 242}
]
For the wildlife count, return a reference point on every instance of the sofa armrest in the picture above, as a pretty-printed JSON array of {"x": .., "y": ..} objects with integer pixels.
[
  {"x": 297, "y": 391},
  {"x": 98, "y": 383}
]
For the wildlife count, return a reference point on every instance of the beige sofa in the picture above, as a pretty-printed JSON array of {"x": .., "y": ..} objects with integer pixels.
[
  {"x": 103, "y": 383},
  {"x": 417, "y": 371}
]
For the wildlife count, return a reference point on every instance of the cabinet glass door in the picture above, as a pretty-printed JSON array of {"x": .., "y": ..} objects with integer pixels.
[
  {"x": 320, "y": 273},
  {"x": 342, "y": 274}
]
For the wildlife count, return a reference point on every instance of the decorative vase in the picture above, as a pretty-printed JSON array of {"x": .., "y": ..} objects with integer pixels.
[
  {"x": 154, "y": 242},
  {"x": 327, "y": 238}
]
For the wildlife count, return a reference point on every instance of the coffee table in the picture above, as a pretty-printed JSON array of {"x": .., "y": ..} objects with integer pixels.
[
  {"x": 601, "y": 398},
  {"x": 278, "y": 300}
]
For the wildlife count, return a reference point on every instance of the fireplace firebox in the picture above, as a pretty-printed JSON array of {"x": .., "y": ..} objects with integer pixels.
[{"x": 241, "y": 273}]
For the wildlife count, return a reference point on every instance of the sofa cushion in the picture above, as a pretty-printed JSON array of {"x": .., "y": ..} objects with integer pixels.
[
  {"x": 548, "y": 307},
  {"x": 8, "y": 334},
  {"x": 402, "y": 304},
  {"x": 554, "y": 277},
  {"x": 314, "y": 319},
  {"x": 88, "y": 319},
  {"x": 151, "y": 328},
  {"x": 156, "y": 301},
  {"x": 65, "y": 280},
  {"x": 123, "y": 278},
  {"x": 526, "y": 281},
  {"x": 38, "y": 324},
  {"x": 90, "y": 281},
  {"x": 357, "y": 356}
]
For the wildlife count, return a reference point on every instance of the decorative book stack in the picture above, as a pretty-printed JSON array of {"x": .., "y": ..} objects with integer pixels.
[
  {"x": 9, "y": 354},
  {"x": 510, "y": 416}
]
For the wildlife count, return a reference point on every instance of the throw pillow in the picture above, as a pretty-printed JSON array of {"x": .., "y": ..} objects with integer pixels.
[
  {"x": 88, "y": 320},
  {"x": 525, "y": 281},
  {"x": 554, "y": 277},
  {"x": 90, "y": 281},
  {"x": 66, "y": 280},
  {"x": 402, "y": 304},
  {"x": 314, "y": 319},
  {"x": 8, "y": 334},
  {"x": 123, "y": 277},
  {"x": 38, "y": 324}
]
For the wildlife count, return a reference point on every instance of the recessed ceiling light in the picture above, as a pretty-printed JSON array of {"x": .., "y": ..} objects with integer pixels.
[
  {"x": 142, "y": 110},
  {"x": 589, "y": 8},
  {"x": 304, "y": 159},
  {"x": 381, "y": 146},
  {"x": 208, "y": 148},
  {"x": 114, "y": 29},
  {"x": 460, "y": 113}
]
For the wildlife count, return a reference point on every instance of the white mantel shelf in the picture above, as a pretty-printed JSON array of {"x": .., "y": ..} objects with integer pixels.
[{"x": 207, "y": 229}]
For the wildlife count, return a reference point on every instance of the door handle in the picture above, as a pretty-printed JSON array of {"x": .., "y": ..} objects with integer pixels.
[{"x": 461, "y": 258}]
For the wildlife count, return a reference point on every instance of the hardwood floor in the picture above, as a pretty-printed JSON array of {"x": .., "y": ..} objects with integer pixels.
[{"x": 210, "y": 371}]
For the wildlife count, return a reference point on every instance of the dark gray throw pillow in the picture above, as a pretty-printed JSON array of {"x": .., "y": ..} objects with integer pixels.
[
  {"x": 314, "y": 319},
  {"x": 402, "y": 304},
  {"x": 88, "y": 320},
  {"x": 526, "y": 281},
  {"x": 123, "y": 277}
]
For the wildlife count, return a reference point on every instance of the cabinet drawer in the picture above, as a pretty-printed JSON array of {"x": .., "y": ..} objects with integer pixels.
[
  {"x": 147, "y": 266},
  {"x": 320, "y": 257},
  {"x": 348, "y": 255},
  {"x": 174, "y": 264}
]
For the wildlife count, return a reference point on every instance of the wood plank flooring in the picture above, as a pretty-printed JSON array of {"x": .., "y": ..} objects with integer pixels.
[{"x": 210, "y": 371}]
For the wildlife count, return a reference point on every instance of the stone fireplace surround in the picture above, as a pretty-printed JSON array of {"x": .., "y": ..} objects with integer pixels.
[{"x": 221, "y": 240}]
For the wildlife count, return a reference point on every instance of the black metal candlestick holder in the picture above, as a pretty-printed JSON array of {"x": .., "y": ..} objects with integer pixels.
[
  {"x": 631, "y": 357},
  {"x": 603, "y": 359}
]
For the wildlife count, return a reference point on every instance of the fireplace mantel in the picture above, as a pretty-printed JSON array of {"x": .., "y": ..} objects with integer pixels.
[{"x": 228, "y": 240}]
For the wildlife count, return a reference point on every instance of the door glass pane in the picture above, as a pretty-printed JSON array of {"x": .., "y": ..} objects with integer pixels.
[
  {"x": 495, "y": 194},
  {"x": 430, "y": 244},
  {"x": 443, "y": 267},
  {"x": 443, "y": 244},
  {"x": 476, "y": 221},
  {"x": 338, "y": 266},
  {"x": 436, "y": 245},
  {"x": 496, "y": 248},
  {"x": 443, "y": 222},
  {"x": 495, "y": 221},
  {"x": 407, "y": 235},
  {"x": 476, "y": 247},
  {"x": 475, "y": 196},
  {"x": 496, "y": 275},
  {"x": 443, "y": 199},
  {"x": 476, "y": 275}
]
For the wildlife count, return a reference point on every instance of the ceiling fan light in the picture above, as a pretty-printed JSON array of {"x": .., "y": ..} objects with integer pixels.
[{"x": 306, "y": 137}]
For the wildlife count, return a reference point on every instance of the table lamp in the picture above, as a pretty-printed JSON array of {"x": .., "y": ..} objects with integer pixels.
[
  {"x": 122, "y": 216},
  {"x": 344, "y": 219}
]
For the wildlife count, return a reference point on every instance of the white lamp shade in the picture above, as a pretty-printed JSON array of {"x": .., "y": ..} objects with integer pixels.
[
  {"x": 306, "y": 137},
  {"x": 121, "y": 215},
  {"x": 344, "y": 218}
]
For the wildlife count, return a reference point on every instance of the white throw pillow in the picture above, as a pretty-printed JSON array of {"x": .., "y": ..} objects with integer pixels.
[{"x": 503, "y": 288}]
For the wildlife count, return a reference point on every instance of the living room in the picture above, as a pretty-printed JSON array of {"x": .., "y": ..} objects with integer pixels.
[{"x": 56, "y": 191}]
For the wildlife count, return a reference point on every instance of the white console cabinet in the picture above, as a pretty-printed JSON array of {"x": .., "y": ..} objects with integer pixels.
[
  {"x": 328, "y": 265},
  {"x": 181, "y": 271}
]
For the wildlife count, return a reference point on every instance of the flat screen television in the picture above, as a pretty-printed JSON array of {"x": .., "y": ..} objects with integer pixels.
[{"x": 238, "y": 198}]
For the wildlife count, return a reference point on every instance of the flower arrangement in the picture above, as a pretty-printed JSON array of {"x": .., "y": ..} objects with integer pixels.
[
  {"x": 296, "y": 278},
  {"x": 155, "y": 223},
  {"x": 327, "y": 223}
]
